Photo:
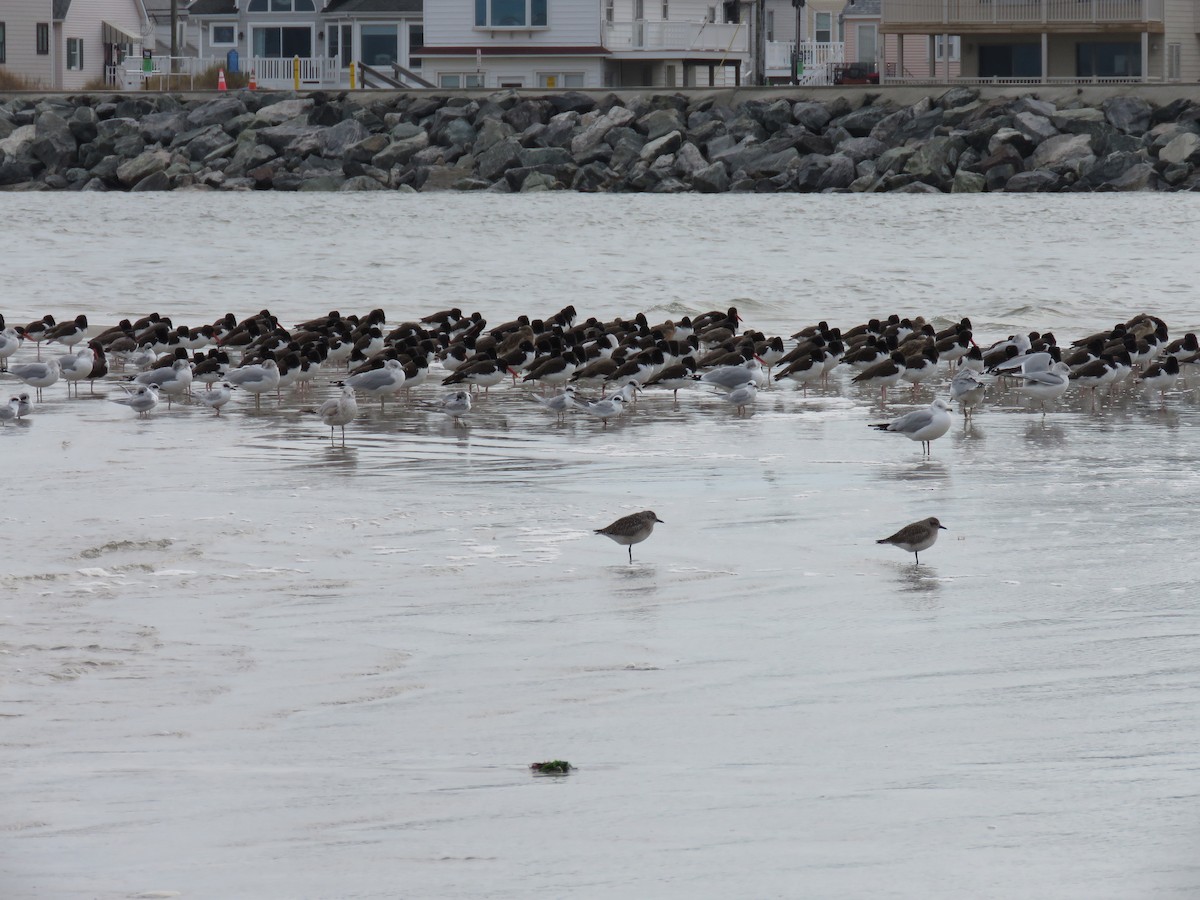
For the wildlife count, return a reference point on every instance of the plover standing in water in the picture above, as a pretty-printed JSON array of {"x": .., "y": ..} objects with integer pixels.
[
  {"x": 631, "y": 529},
  {"x": 916, "y": 537}
]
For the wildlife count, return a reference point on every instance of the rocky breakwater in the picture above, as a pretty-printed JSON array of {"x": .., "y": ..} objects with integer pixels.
[{"x": 507, "y": 142}]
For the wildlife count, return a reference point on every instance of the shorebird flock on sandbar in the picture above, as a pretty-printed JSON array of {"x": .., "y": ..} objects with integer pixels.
[{"x": 572, "y": 366}]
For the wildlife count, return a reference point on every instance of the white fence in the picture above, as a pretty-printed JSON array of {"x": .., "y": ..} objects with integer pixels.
[
  {"x": 1011, "y": 12},
  {"x": 180, "y": 72},
  {"x": 1032, "y": 80},
  {"x": 817, "y": 59},
  {"x": 676, "y": 36}
]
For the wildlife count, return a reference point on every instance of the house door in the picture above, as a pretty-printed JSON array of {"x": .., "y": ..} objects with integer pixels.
[
  {"x": 1010, "y": 61},
  {"x": 639, "y": 23},
  {"x": 866, "y": 44}
]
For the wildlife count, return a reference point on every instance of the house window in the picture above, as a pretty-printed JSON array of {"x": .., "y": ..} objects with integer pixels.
[
  {"x": 609, "y": 10},
  {"x": 711, "y": 15},
  {"x": 43, "y": 38},
  {"x": 75, "y": 53},
  {"x": 3, "y": 43},
  {"x": 277, "y": 43},
  {"x": 666, "y": 10},
  {"x": 416, "y": 43},
  {"x": 1108, "y": 60},
  {"x": 1173, "y": 68},
  {"x": 223, "y": 35},
  {"x": 456, "y": 80},
  {"x": 380, "y": 45},
  {"x": 940, "y": 47},
  {"x": 280, "y": 6},
  {"x": 510, "y": 13},
  {"x": 823, "y": 28},
  {"x": 770, "y": 24},
  {"x": 560, "y": 79}
]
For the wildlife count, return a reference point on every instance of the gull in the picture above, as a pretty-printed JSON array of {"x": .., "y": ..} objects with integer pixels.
[
  {"x": 456, "y": 405},
  {"x": 8, "y": 412},
  {"x": 381, "y": 382},
  {"x": 742, "y": 396},
  {"x": 76, "y": 367},
  {"x": 730, "y": 377},
  {"x": 924, "y": 425},
  {"x": 1043, "y": 385},
  {"x": 557, "y": 403},
  {"x": 140, "y": 398},
  {"x": 258, "y": 379},
  {"x": 916, "y": 537},
  {"x": 339, "y": 411},
  {"x": 37, "y": 374},
  {"x": 24, "y": 406},
  {"x": 173, "y": 380},
  {"x": 605, "y": 409},
  {"x": 967, "y": 388},
  {"x": 10, "y": 341},
  {"x": 216, "y": 396},
  {"x": 631, "y": 529}
]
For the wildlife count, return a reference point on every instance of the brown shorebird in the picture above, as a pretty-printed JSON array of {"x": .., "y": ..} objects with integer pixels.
[
  {"x": 916, "y": 537},
  {"x": 631, "y": 529}
]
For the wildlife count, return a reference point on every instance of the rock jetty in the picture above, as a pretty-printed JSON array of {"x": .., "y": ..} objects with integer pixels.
[{"x": 956, "y": 141}]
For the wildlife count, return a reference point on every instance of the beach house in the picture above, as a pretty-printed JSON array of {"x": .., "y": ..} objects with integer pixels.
[
  {"x": 1047, "y": 41},
  {"x": 67, "y": 44}
]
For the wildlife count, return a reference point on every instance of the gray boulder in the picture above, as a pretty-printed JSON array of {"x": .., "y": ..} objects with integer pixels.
[
  {"x": 967, "y": 182},
  {"x": 859, "y": 122},
  {"x": 361, "y": 183},
  {"x": 935, "y": 161},
  {"x": 1031, "y": 182},
  {"x": 162, "y": 127},
  {"x": 336, "y": 140},
  {"x": 216, "y": 112},
  {"x": 54, "y": 146},
  {"x": 689, "y": 160},
  {"x": 660, "y": 122},
  {"x": 1141, "y": 177},
  {"x": 839, "y": 174},
  {"x": 284, "y": 111},
  {"x": 1033, "y": 105},
  {"x": 1184, "y": 148},
  {"x": 811, "y": 114},
  {"x": 1128, "y": 114},
  {"x": 1060, "y": 150},
  {"x": 668, "y": 143},
  {"x": 1035, "y": 127},
  {"x": 399, "y": 153},
  {"x": 155, "y": 181},
  {"x": 489, "y": 132},
  {"x": 958, "y": 97},
  {"x": 713, "y": 179},
  {"x": 594, "y": 133},
  {"x": 300, "y": 140},
  {"x": 133, "y": 171},
  {"x": 494, "y": 161},
  {"x": 860, "y": 148}
]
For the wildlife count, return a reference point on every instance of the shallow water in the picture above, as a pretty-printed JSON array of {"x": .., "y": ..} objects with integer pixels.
[{"x": 239, "y": 661}]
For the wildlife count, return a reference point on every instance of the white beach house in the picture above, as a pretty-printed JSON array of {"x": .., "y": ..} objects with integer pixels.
[{"x": 65, "y": 44}]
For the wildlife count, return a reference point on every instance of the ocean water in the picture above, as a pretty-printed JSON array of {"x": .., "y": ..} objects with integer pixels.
[{"x": 240, "y": 661}]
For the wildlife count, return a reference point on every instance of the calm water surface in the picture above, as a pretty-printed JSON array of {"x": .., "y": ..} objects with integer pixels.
[{"x": 237, "y": 661}]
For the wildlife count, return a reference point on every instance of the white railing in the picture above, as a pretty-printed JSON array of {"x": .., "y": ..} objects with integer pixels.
[
  {"x": 813, "y": 54},
  {"x": 681, "y": 36},
  {"x": 1034, "y": 79},
  {"x": 1016, "y": 12},
  {"x": 181, "y": 71}
]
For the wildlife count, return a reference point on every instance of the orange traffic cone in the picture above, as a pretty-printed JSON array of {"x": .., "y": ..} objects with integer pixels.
[
  {"x": 221, "y": 80},
  {"x": 252, "y": 85}
]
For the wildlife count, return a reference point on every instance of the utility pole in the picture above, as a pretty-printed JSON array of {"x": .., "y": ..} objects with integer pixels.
[
  {"x": 799, "y": 5},
  {"x": 760, "y": 42},
  {"x": 174, "y": 29}
]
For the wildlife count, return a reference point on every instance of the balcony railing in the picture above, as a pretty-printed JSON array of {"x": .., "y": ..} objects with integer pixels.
[
  {"x": 679, "y": 37},
  {"x": 1021, "y": 12}
]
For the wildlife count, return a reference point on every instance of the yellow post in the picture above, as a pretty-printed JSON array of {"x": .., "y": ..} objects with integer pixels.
[
  {"x": 296, "y": 72},
  {"x": 351, "y": 74}
]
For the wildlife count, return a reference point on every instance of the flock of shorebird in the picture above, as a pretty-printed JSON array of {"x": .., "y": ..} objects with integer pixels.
[{"x": 370, "y": 358}]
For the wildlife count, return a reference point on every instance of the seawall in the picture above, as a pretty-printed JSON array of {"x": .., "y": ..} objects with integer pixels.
[{"x": 1057, "y": 138}]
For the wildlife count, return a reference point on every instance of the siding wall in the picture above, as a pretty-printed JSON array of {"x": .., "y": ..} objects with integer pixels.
[
  {"x": 785, "y": 18},
  {"x": 20, "y": 18},
  {"x": 84, "y": 21},
  {"x": 572, "y": 23},
  {"x": 916, "y": 52},
  {"x": 526, "y": 69},
  {"x": 1182, "y": 22}
]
